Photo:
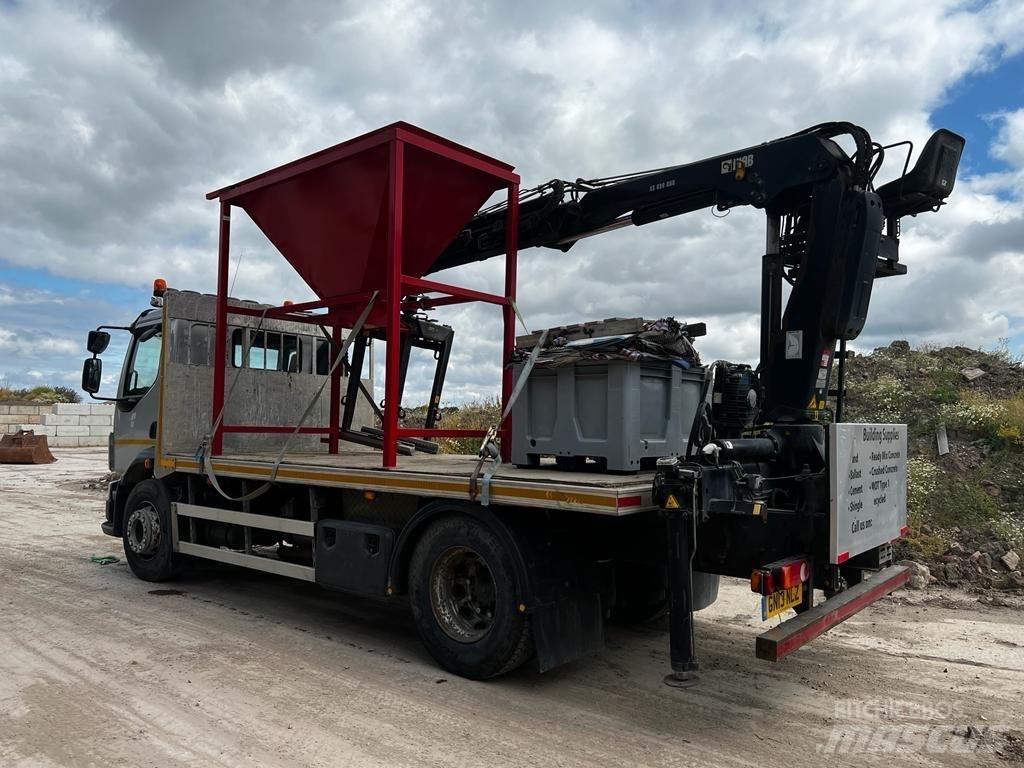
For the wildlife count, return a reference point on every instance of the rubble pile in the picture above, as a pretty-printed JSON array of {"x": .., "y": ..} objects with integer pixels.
[{"x": 964, "y": 410}]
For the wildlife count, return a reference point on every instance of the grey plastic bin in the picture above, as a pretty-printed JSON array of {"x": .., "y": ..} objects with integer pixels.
[{"x": 626, "y": 414}]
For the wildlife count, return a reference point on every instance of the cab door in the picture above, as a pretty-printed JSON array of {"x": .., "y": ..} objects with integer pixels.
[{"x": 135, "y": 418}]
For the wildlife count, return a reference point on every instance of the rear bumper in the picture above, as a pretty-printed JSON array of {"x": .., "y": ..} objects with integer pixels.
[{"x": 787, "y": 637}]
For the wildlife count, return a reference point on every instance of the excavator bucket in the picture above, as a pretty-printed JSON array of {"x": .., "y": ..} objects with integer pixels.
[{"x": 25, "y": 447}]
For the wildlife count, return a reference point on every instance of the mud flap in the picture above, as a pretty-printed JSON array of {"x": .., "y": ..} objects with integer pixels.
[{"x": 567, "y": 629}]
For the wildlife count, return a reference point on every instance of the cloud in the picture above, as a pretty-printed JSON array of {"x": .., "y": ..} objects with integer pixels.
[
  {"x": 42, "y": 333},
  {"x": 117, "y": 117},
  {"x": 1009, "y": 145}
]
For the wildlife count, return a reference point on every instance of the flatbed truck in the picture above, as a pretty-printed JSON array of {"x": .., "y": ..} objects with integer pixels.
[{"x": 504, "y": 563}]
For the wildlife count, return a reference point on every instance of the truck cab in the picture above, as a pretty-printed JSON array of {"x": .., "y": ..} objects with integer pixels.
[
  {"x": 281, "y": 356},
  {"x": 132, "y": 441}
]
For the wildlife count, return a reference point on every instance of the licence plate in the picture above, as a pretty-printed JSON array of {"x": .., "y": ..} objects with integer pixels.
[{"x": 783, "y": 600}]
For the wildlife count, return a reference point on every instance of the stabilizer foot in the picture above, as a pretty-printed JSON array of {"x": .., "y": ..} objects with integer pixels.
[{"x": 682, "y": 679}]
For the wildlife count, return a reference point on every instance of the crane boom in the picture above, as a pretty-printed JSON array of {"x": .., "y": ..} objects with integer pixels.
[{"x": 830, "y": 235}]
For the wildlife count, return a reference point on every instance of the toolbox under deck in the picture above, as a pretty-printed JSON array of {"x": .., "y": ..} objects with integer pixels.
[{"x": 440, "y": 476}]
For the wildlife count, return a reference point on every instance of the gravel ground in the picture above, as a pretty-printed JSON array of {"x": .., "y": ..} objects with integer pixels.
[{"x": 231, "y": 668}]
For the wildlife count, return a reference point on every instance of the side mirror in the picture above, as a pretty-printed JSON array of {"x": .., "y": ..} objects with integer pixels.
[
  {"x": 92, "y": 372},
  {"x": 98, "y": 341}
]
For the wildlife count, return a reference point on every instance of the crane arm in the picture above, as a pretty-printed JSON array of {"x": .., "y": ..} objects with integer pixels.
[
  {"x": 829, "y": 234},
  {"x": 559, "y": 213}
]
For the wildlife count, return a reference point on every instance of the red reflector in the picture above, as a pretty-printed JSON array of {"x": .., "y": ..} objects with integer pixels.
[
  {"x": 904, "y": 530},
  {"x": 842, "y": 557},
  {"x": 628, "y": 501}
]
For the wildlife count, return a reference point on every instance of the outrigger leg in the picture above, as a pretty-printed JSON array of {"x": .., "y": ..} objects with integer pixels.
[{"x": 675, "y": 497}]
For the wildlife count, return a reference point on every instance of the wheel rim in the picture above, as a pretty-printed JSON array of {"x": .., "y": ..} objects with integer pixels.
[
  {"x": 463, "y": 594},
  {"x": 142, "y": 530}
]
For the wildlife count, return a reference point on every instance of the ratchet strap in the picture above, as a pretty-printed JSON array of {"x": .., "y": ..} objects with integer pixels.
[{"x": 480, "y": 485}]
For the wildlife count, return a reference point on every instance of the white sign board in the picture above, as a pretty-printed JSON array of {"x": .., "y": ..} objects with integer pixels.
[{"x": 868, "y": 465}]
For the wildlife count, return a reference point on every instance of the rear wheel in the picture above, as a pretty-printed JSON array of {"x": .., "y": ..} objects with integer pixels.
[
  {"x": 462, "y": 589},
  {"x": 147, "y": 532}
]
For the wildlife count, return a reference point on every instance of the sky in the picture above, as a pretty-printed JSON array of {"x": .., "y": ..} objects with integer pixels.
[{"x": 117, "y": 117}]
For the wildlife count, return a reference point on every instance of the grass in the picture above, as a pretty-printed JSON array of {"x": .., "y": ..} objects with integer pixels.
[
  {"x": 480, "y": 414},
  {"x": 44, "y": 395},
  {"x": 922, "y": 488},
  {"x": 1000, "y": 420},
  {"x": 940, "y": 505}
]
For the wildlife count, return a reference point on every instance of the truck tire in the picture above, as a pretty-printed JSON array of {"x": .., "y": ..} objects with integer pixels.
[
  {"x": 147, "y": 532},
  {"x": 462, "y": 592}
]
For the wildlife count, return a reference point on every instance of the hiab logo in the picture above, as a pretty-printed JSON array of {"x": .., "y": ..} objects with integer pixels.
[{"x": 743, "y": 161}]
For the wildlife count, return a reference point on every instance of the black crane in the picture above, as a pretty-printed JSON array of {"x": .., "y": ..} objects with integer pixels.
[{"x": 829, "y": 233}]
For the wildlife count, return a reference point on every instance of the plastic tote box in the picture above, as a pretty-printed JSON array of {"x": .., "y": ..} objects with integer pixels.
[{"x": 621, "y": 413}]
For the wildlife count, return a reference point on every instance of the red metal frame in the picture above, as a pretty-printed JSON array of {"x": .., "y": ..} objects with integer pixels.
[
  {"x": 221, "y": 337},
  {"x": 393, "y": 330},
  {"x": 397, "y": 137}
]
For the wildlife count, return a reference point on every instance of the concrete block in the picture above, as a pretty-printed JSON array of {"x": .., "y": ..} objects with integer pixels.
[
  {"x": 77, "y": 409},
  {"x": 76, "y": 431},
  {"x": 60, "y": 420},
  {"x": 39, "y": 429},
  {"x": 102, "y": 408},
  {"x": 99, "y": 431},
  {"x": 12, "y": 422},
  {"x": 5, "y": 410},
  {"x": 95, "y": 421},
  {"x": 34, "y": 410},
  {"x": 64, "y": 442},
  {"x": 92, "y": 441}
]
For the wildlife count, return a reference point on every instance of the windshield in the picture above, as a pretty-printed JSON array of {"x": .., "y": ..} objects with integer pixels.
[{"x": 144, "y": 366}]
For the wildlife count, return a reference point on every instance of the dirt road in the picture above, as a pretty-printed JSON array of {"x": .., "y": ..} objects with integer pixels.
[{"x": 232, "y": 668}]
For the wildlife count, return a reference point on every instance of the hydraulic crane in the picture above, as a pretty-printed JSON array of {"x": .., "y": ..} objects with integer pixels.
[{"x": 830, "y": 234}]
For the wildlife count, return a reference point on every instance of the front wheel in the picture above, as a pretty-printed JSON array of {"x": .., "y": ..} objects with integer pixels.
[
  {"x": 147, "y": 532},
  {"x": 462, "y": 590}
]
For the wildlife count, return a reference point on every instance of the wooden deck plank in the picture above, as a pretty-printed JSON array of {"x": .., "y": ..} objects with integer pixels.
[
  {"x": 442, "y": 476},
  {"x": 456, "y": 465}
]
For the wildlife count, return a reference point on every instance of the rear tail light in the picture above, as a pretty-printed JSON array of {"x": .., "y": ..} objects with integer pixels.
[{"x": 781, "y": 574}]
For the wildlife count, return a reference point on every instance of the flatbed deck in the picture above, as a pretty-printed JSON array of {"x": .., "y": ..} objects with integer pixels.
[{"x": 441, "y": 476}]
